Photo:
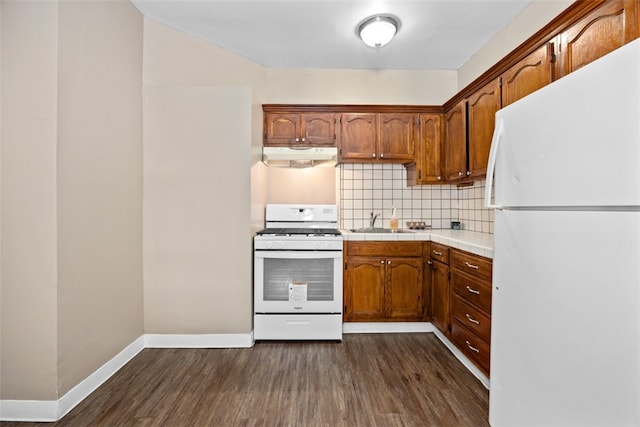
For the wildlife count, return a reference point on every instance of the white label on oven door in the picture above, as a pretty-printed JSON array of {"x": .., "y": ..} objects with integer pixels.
[{"x": 297, "y": 291}]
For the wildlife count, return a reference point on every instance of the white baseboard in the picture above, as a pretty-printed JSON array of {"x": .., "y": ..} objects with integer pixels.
[
  {"x": 54, "y": 410},
  {"x": 29, "y": 410},
  {"x": 385, "y": 327},
  {"x": 199, "y": 341},
  {"x": 77, "y": 394}
]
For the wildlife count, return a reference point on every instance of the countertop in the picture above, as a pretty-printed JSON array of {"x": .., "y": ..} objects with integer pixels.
[{"x": 470, "y": 241}]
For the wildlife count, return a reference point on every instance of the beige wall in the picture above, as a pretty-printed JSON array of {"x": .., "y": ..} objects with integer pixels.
[
  {"x": 71, "y": 196},
  {"x": 29, "y": 255},
  {"x": 99, "y": 185},
  {"x": 538, "y": 14},
  {"x": 307, "y": 185},
  {"x": 314, "y": 86},
  {"x": 197, "y": 240},
  {"x": 204, "y": 184}
]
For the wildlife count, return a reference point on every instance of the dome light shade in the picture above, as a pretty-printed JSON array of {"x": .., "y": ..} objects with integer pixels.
[{"x": 378, "y": 30}]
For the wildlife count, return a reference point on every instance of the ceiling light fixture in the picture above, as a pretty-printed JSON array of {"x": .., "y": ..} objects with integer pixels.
[{"x": 378, "y": 30}]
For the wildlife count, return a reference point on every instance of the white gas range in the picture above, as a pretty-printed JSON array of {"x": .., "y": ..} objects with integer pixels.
[{"x": 298, "y": 274}]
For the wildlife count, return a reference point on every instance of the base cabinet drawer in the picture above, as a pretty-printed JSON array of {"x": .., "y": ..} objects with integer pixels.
[
  {"x": 472, "y": 289},
  {"x": 470, "y": 317},
  {"x": 472, "y": 346}
]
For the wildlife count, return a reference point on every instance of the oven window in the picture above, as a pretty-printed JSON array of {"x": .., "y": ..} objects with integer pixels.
[{"x": 301, "y": 279}]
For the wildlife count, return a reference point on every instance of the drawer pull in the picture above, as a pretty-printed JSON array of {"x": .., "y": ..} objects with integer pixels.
[
  {"x": 437, "y": 253},
  {"x": 472, "y": 348},
  {"x": 473, "y": 291},
  {"x": 471, "y": 319},
  {"x": 475, "y": 267}
]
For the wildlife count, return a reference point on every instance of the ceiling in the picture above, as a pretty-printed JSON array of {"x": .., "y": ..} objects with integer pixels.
[{"x": 434, "y": 34}]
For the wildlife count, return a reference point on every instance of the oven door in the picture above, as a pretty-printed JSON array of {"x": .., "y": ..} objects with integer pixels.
[{"x": 298, "y": 281}]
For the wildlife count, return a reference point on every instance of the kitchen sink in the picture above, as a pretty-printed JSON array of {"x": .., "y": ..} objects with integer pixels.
[{"x": 378, "y": 230}]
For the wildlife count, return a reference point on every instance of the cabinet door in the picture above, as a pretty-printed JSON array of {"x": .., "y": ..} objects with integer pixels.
[
  {"x": 364, "y": 289},
  {"x": 601, "y": 31},
  {"x": 481, "y": 112},
  {"x": 530, "y": 74},
  {"x": 440, "y": 296},
  {"x": 403, "y": 298},
  {"x": 427, "y": 168},
  {"x": 319, "y": 129},
  {"x": 282, "y": 129},
  {"x": 455, "y": 142},
  {"x": 396, "y": 136},
  {"x": 358, "y": 136}
]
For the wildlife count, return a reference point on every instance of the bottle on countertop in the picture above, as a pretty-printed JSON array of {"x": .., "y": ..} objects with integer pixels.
[{"x": 393, "y": 221}]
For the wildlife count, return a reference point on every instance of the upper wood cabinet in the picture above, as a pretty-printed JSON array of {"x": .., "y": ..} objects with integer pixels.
[
  {"x": 378, "y": 137},
  {"x": 358, "y": 136},
  {"x": 290, "y": 129},
  {"x": 427, "y": 168},
  {"x": 528, "y": 75},
  {"x": 455, "y": 142},
  {"x": 396, "y": 136},
  {"x": 603, "y": 30},
  {"x": 481, "y": 112}
]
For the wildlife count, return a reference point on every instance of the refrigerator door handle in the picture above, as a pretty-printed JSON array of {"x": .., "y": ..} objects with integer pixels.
[{"x": 498, "y": 133}]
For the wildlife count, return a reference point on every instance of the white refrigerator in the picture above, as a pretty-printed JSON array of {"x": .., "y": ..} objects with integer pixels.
[{"x": 565, "y": 167}]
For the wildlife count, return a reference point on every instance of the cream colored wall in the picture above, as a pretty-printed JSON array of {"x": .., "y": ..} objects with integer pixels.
[
  {"x": 71, "y": 195},
  {"x": 172, "y": 58},
  {"x": 29, "y": 254},
  {"x": 538, "y": 14},
  {"x": 314, "y": 86},
  {"x": 202, "y": 131},
  {"x": 196, "y": 210},
  {"x": 99, "y": 183},
  {"x": 307, "y": 185}
]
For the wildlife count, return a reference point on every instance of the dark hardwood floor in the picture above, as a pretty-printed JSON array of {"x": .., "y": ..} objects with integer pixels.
[{"x": 367, "y": 380}]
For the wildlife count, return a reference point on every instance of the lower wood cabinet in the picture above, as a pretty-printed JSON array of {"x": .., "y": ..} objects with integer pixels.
[
  {"x": 387, "y": 281},
  {"x": 470, "y": 305},
  {"x": 383, "y": 281},
  {"x": 438, "y": 261}
]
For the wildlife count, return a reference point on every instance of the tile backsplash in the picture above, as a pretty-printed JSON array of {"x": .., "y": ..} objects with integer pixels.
[{"x": 365, "y": 188}]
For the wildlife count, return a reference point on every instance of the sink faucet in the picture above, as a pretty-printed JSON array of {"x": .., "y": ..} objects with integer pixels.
[{"x": 372, "y": 219}]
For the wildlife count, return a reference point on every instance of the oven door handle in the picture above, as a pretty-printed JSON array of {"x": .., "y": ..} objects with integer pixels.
[{"x": 299, "y": 254}]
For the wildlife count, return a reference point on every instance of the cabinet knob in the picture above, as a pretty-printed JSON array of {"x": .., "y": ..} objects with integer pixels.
[
  {"x": 389, "y": 262},
  {"x": 460, "y": 174},
  {"x": 381, "y": 155},
  {"x": 439, "y": 178},
  {"x": 373, "y": 155},
  {"x": 304, "y": 139},
  {"x": 297, "y": 139},
  {"x": 468, "y": 173},
  {"x": 382, "y": 262}
]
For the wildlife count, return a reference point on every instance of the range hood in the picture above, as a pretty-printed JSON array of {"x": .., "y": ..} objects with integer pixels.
[{"x": 303, "y": 157}]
